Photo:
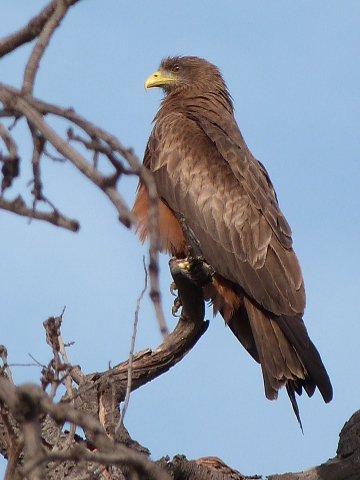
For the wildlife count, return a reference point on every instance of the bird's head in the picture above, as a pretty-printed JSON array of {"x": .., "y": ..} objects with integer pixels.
[{"x": 178, "y": 74}]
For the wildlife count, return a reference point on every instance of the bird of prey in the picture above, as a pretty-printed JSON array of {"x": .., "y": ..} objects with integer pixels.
[{"x": 205, "y": 172}]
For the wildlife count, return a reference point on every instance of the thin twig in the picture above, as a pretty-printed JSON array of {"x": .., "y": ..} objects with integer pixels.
[
  {"x": 154, "y": 247},
  {"x": 3, "y": 356},
  {"x": 9, "y": 142},
  {"x": 53, "y": 158},
  {"x": 77, "y": 159},
  {"x": 37, "y": 363},
  {"x": 47, "y": 31},
  {"x": 55, "y": 217},
  {"x": 38, "y": 143},
  {"x": 97, "y": 147},
  {"x": 33, "y": 110},
  {"x": 66, "y": 379},
  {"x": 24, "y": 365},
  {"x": 131, "y": 354},
  {"x": 29, "y": 32}
]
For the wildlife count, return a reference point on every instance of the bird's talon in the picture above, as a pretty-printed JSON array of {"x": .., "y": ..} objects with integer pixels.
[
  {"x": 176, "y": 306},
  {"x": 173, "y": 289}
]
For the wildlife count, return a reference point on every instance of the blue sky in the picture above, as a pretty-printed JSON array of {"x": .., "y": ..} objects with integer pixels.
[{"x": 293, "y": 70}]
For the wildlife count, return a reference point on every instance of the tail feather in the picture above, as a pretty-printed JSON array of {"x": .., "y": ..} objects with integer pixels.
[
  {"x": 283, "y": 348},
  {"x": 291, "y": 389},
  {"x": 279, "y": 362},
  {"x": 295, "y": 331},
  {"x": 240, "y": 326}
]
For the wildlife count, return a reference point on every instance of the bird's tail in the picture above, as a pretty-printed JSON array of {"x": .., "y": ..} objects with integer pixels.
[
  {"x": 286, "y": 354},
  {"x": 317, "y": 376}
]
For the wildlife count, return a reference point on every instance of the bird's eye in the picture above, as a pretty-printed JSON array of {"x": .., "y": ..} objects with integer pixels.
[{"x": 176, "y": 68}]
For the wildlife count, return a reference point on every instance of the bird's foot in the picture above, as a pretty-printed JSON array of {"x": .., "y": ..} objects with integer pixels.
[
  {"x": 195, "y": 269},
  {"x": 173, "y": 289},
  {"x": 198, "y": 271},
  {"x": 176, "y": 306}
]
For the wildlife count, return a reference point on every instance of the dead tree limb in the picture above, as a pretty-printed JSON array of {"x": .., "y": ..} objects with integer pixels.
[
  {"x": 24, "y": 410},
  {"x": 20, "y": 104},
  {"x": 93, "y": 405}
]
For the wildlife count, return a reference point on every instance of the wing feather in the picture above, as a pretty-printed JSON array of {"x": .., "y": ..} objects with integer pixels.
[
  {"x": 224, "y": 132},
  {"x": 235, "y": 233},
  {"x": 279, "y": 361}
]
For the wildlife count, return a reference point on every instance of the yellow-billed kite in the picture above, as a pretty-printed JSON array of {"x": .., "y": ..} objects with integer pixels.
[{"x": 205, "y": 172}]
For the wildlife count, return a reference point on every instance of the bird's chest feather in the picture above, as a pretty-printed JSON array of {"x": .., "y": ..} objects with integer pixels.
[{"x": 188, "y": 169}]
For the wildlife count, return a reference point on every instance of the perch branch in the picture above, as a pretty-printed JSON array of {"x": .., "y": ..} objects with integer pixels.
[{"x": 148, "y": 364}]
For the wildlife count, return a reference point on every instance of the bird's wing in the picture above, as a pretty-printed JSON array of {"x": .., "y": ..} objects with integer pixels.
[
  {"x": 226, "y": 208},
  {"x": 221, "y": 128}
]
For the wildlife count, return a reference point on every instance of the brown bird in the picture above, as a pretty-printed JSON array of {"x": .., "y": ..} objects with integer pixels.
[{"x": 205, "y": 172}]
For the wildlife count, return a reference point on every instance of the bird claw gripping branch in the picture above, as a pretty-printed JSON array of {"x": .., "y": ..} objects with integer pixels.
[{"x": 197, "y": 271}]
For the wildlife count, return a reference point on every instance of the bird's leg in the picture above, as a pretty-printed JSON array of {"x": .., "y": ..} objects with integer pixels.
[
  {"x": 190, "y": 237},
  {"x": 193, "y": 266},
  {"x": 176, "y": 306},
  {"x": 173, "y": 289}
]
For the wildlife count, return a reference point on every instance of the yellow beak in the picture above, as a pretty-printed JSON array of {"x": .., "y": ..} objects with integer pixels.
[{"x": 158, "y": 79}]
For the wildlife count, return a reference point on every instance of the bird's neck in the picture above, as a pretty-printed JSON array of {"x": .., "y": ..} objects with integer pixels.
[{"x": 185, "y": 101}]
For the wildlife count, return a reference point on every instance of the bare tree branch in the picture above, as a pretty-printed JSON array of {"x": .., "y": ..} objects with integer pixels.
[
  {"x": 28, "y": 404},
  {"x": 55, "y": 218},
  {"x": 33, "y": 401},
  {"x": 34, "y": 110},
  {"x": 146, "y": 366},
  {"x": 42, "y": 42},
  {"x": 21, "y": 103},
  {"x": 149, "y": 364},
  {"x": 9, "y": 142},
  {"x": 10, "y": 168},
  {"x": 29, "y": 32}
]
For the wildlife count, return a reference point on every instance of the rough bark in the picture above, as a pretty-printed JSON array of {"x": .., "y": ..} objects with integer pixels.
[
  {"x": 36, "y": 446},
  {"x": 32, "y": 438}
]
